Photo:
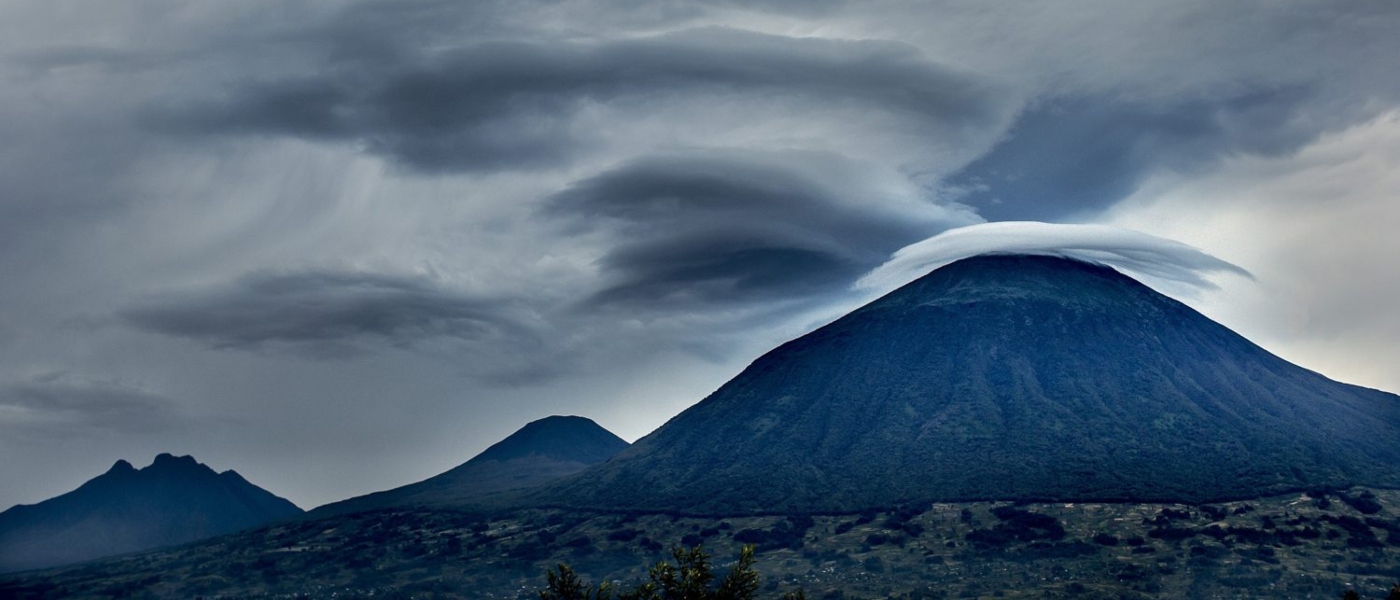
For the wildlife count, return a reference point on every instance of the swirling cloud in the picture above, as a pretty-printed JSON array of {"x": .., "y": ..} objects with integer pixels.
[
  {"x": 1155, "y": 258},
  {"x": 330, "y": 314}
]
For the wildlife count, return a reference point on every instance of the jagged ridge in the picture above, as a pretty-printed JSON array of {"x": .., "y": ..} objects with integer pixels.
[{"x": 172, "y": 501}]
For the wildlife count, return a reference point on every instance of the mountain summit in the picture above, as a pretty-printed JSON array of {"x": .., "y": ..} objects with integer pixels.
[
  {"x": 1005, "y": 377},
  {"x": 174, "y": 500},
  {"x": 540, "y": 452}
]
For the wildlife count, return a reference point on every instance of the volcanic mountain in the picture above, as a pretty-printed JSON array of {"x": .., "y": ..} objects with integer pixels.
[
  {"x": 540, "y": 452},
  {"x": 1006, "y": 377},
  {"x": 172, "y": 501}
]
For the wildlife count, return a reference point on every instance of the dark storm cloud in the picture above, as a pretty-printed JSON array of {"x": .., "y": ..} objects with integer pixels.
[
  {"x": 60, "y": 404},
  {"x": 511, "y": 104},
  {"x": 159, "y": 151},
  {"x": 331, "y": 314},
  {"x": 741, "y": 227},
  {"x": 1070, "y": 155}
]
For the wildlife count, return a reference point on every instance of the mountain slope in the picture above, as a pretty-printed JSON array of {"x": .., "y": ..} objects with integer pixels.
[
  {"x": 1005, "y": 377},
  {"x": 540, "y": 452},
  {"x": 174, "y": 500}
]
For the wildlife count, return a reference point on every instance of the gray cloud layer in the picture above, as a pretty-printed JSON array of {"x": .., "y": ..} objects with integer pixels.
[
  {"x": 1070, "y": 155},
  {"x": 424, "y": 222},
  {"x": 331, "y": 314},
  {"x": 514, "y": 104},
  {"x": 737, "y": 227},
  {"x": 62, "y": 405}
]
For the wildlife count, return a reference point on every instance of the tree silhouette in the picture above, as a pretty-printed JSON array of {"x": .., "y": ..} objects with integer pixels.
[
  {"x": 690, "y": 578},
  {"x": 564, "y": 584}
]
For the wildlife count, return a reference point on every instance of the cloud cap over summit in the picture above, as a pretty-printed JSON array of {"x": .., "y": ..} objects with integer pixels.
[{"x": 1139, "y": 253}]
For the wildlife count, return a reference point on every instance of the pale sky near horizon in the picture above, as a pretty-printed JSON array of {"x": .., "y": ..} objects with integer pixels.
[{"x": 346, "y": 245}]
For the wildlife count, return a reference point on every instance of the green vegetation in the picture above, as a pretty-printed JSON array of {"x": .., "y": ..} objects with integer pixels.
[
  {"x": 1354, "y": 595},
  {"x": 688, "y": 579},
  {"x": 1275, "y": 547}
]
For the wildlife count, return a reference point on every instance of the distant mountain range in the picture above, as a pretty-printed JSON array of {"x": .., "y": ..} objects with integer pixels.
[
  {"x": 172, "y": 501},
  {"x": 1005, "y": 377},
  {"x": 540, "y": 452}
]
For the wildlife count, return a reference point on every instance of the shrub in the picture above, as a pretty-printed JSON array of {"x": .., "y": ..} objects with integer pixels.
[
  {"x": 1364, "y": 503},
  {"x": 690, "y": 578},
  {"x": 1017, "y": 525},
  {"x": 624, "y": 535}
]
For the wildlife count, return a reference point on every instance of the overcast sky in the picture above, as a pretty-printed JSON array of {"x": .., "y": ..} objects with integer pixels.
[{"x": 346, "y": 245}]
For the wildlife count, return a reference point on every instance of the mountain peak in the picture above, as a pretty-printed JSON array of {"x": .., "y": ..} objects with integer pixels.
[
  {"x": 174, "y": 500},
  {"x": 558, "y": 437},
  {"x": 177, "y": 466},
  {"x": 166, "y": 459},
  {"x": 540, "y": 452},
  {"x": 1007, "y": 276},
  {"x": 1005, "y": 377},
  {"x": 121, "y": 467}
]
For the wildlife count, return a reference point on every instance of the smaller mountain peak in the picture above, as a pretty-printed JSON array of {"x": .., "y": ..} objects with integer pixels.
[
  {"x": 543, "y": 450},
  {"x": 232, "y": 475},
  {"x": 121, "y": 466},
  {"x": 557, "y": 424},
  {"x": 165, "y": 460},
  {"x": 562, "y": 437},
  {"x": 563, "y": 420},
  {"x": 173, "y": 501}
]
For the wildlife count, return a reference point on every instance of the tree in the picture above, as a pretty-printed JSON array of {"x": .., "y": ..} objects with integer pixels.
[
  {"x": 564, "y": 584},
  {"x": 742, "y": 581},
  {"x": 690, "y": 578}
]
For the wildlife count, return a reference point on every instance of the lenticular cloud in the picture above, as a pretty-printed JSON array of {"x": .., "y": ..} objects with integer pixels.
[{"x": 1150, "y": 256}]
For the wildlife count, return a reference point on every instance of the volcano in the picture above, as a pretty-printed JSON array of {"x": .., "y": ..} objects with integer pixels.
[
  {"x": 540, "y": 452},
  {"x": 174, "y": 500},
  {"x": 1005, "y": 377}
]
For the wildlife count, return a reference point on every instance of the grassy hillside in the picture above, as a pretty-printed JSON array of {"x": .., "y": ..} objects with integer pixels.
[{"x": 1293, "y": 546}]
